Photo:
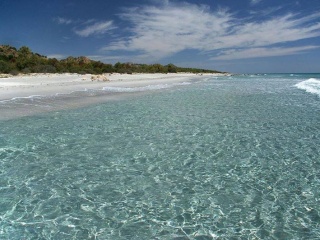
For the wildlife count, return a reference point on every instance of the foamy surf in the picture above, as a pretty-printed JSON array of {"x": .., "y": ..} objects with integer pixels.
[
  {"x": 142, "y": 89},
  {"x": 31, "y": 98},
  {"x": 311, "y": 85}
]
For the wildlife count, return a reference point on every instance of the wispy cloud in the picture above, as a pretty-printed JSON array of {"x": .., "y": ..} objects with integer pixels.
[
  {"x": 95, "y": 28},
  {"x": 168, "y": 29},
  {"x": 232, "y": 54},
  {"x": 266, "y": 11},
  {"x": 163, "y": 30},
  {"x": 64, "y": 21},
  {"x": 85, "y": 28},
  {"x": 254, "y": 2}
]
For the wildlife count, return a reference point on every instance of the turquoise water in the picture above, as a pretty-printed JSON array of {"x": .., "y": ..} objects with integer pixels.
[{"x": 227, "y": 158}]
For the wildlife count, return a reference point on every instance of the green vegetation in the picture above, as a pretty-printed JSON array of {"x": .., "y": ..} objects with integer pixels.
[{"x": 23, "y": 60}]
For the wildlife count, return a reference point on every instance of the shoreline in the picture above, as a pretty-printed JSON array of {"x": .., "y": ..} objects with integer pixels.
[
  {"x": 33, "y": 94},
  {"x": 23, "y": 86}
]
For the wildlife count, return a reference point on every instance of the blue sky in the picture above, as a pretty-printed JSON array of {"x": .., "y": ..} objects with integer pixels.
[{"x": 228, "y": 35}]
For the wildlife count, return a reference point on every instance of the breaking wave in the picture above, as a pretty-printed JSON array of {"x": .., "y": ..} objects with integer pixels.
[{"x": 311, "y": 85}]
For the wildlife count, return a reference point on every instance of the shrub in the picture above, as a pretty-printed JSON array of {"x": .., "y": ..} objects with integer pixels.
[
  {"x": 5, "y": 67},
  {"x": 26, "y": 70},
  {"x": 44, "y": 69},
  {"x": 14, "y": 72}
]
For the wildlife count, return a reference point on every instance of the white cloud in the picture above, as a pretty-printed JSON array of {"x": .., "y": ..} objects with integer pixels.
[
  {"x": 95, "y": 28},
  {"x": 254, "y": 2},
  {"x": 274, "y": 31},
  {"x": 64, "y": 21},
  {"x": 232, "y": 54},
  {"x": 266, "y": 11},
  {"x": 163, "y": 30}
]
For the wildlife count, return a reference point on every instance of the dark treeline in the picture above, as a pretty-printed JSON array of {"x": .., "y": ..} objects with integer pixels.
[{"x": 23, "y": 60}]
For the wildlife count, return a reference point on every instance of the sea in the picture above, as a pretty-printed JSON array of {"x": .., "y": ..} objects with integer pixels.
[{"x": 230, "y": 157}]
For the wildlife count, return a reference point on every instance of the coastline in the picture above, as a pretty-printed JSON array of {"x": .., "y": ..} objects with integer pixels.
[
  {"x": 23, "y": 86},
  {"x": 26, "y": 95}
]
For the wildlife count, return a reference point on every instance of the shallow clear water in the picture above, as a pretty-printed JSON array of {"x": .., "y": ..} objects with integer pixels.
[{"x": 227, "y": 158}]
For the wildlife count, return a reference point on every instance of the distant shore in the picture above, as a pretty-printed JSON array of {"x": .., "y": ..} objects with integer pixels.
[{"x": 50, "y": 84}]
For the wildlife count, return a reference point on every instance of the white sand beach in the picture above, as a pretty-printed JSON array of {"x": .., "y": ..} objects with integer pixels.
[
  {"x": 52, "y": 84},
  {"x": 26, "y": 95}
]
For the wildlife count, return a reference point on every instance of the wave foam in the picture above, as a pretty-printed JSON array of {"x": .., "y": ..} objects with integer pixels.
[
  {"x": 142, "y": 89},
  {"x": 311, "y": 85},
  {"x": 31, "y": 98}
]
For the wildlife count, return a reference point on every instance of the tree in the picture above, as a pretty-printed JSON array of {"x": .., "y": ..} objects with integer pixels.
[
  {"x": 6, "y": 67},
  {"x": 24, "y": 51},
  {"x": 23, "y": 59},
  {"x": 171, "y": 68}
]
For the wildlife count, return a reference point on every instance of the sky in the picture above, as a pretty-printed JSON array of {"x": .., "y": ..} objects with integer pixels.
[{"x": 239, "y": 36}]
